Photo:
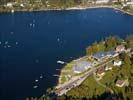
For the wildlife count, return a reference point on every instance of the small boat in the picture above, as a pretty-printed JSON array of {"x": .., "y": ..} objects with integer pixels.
[
  {"x": 35, "y": 86},
  {"x": 30, "y": 24},
  {"x": 12, "y": 32},
  {"x": 12, "y": 11},
  {"x": 6, "y": 42},
  {"x": 0, "y": 42},
  {"x": 58, "y": 39},
  {"x": 56, "y": 75},
  {"x": 60, "y": 62},
  {"x": 41, "y": 76},
  {"x": 8, "y": 46},
  {"x": 36, "y": 80},
  {"x": 33, "y": 25},
  {"x": 5, "y": 46},
  {"x": 57, "y": 69},
  {"x": 33, "y": 20},
  {"x": 16, "y": 43},
  {"x": 116, "y": 11}
]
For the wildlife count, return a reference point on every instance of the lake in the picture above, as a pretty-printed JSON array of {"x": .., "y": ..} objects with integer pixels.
[{"x": 31, "y": 43}]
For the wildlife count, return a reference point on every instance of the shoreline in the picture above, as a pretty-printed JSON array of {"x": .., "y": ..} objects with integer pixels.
[{"x": 72, "y": 8}]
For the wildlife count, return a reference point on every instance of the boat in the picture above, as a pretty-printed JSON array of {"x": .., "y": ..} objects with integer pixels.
[
  {"x": 57, "y": 69},
  {"x": 41, "y": 76},
  {"x": 8, "y": 46},
  {"x": 16, "y": 43},
  {"x": 60, "y": 62},
  {"x": 12, "y": 11},
  {"x": 56, "y": 75},
  {"x": 116, "y": 11},
  {"x": 6, "y": 42},
  {"x": 58, "y": 39},
  {"x": 36, "y": 80},
  {"x": 35, "y": 86},
  {"x": 33, "y": 25}
]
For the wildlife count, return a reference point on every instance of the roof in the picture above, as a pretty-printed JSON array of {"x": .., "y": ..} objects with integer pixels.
[
  {"x": 100, "y": 55},
  {"x": 100, "y": 70},
  {"x": 82, "y": 66},
  {"x": 117, "y": 61},
  {"x": 120, "y": 47},
  {"x": 120, "y": 82}
]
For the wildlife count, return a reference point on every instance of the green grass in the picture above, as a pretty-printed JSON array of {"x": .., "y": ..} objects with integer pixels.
[
  {"x": 90, "y": 88},
  {"x": 63, "y": 79}
]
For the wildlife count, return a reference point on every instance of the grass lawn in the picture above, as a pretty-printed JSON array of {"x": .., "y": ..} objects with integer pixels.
[{"x": 90, "y": 87}]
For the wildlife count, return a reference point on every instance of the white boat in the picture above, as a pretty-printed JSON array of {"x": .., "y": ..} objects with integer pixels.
[
  {"x": 6, "y": 42},
  {"x": 58, "y": 39},
  {"x": 35, "y": 86},
  {"x": 41, "y": 76},
  {"x": 57, "y": 69},
  {"x": 36, "y": 80},
  {"x": 56, "y": 75},
  {"x": 60, "y": 62},
  {"x": 16, "y": 43},
  {"x": 8, "y": 46},
  {"x": 12, "y": 11},
  {"x": 33, "y": 25}
]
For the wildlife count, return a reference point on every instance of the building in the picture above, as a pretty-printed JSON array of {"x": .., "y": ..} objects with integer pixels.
[
  {"x": 9, "y": 4},
  {"x": 120, "y": 48},
  {"x": 121, "y": 83},
  {"x": 81, "y": 66},
  {"x": 100, "y": 72},
  {"x": 113, "y": 1},
  {"x": 102, "y": 1},
  {"x": 100, "y": 56},
  {"x": 117, "y": 63},
  {"x": 108, "y": 67}
]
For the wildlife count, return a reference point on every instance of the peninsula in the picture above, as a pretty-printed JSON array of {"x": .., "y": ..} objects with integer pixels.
[
  {"x": 105, "y": 72},
  {"x": 101, "y": 58}
]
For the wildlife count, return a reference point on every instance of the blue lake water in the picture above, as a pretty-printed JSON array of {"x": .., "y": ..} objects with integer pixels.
[{"x": 32, "y": 42}]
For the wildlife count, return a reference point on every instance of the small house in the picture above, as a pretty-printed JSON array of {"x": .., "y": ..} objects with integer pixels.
[
  {"x": 9, "y": 4},
  {"x": 117, "y": 63},
  {"x": 121, "y": 83},
  {"x": 108, "y": 67},
  {"x": 100, "y": 72},
  {"x": 120, "y": 48}
]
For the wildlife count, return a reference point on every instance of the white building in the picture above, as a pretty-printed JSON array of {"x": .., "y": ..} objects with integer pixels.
[
  {"x": 108, "y": 68},
  {"x": 120, "y": 48},
  {"x": 121, "y": 83},
  {"x": 9, "y": 4},
  {"x": 102, "y": 1},
  {"x": 117, "y": 63}
]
